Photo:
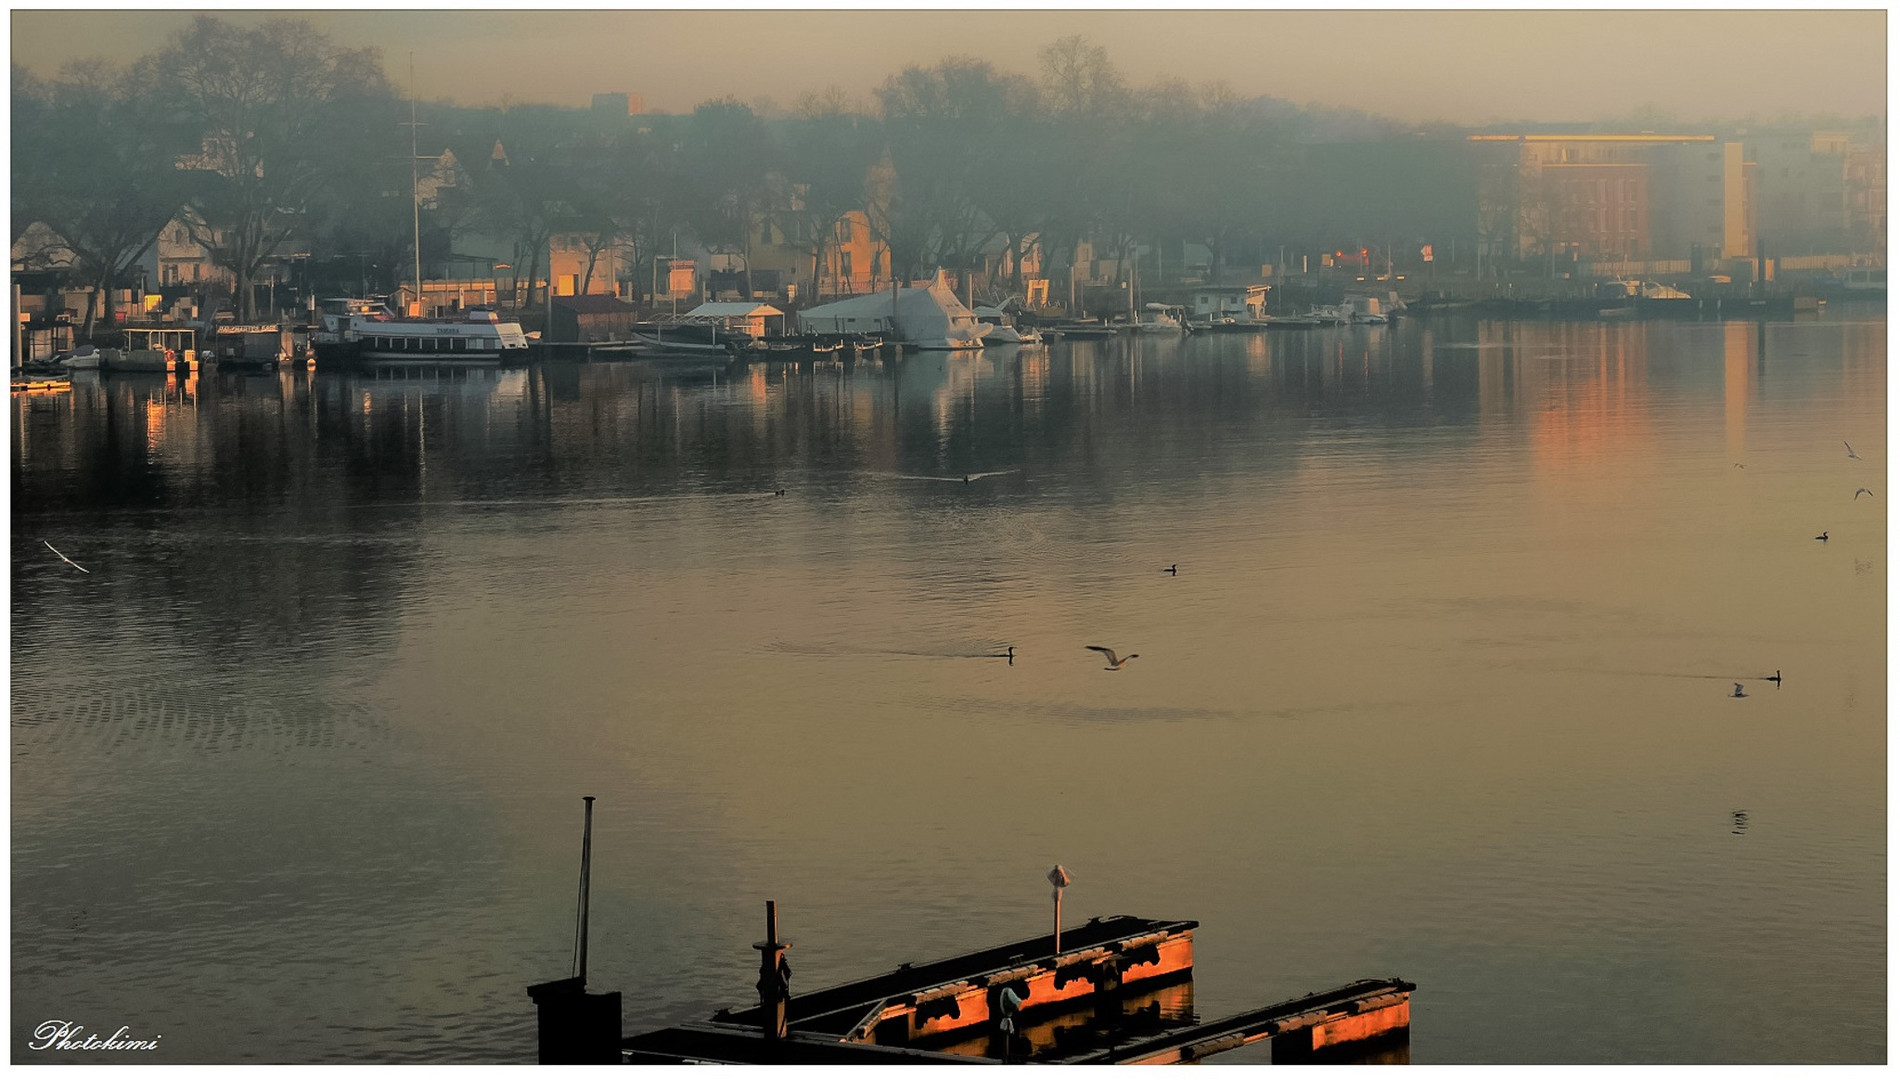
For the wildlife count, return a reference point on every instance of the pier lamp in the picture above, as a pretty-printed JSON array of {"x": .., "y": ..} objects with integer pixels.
[{"x": 1060, "y": 879}]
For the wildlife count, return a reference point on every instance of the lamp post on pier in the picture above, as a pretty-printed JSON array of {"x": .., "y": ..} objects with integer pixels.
[{"x": 1060, "y": 879}]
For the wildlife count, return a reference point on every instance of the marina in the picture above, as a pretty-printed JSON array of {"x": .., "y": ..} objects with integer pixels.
[{"x": 1124, "y": 552}]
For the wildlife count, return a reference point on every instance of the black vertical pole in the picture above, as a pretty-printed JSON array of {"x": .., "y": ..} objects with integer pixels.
[
  {"x": 774, "y": 976},
  {"x": 587, "y": 844}
]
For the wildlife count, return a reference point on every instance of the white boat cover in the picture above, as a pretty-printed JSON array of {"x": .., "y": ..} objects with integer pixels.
[{"x": 929, "y": 318}]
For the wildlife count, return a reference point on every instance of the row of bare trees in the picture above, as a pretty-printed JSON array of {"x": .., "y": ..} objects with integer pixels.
[{"x": 259, "y": 137}]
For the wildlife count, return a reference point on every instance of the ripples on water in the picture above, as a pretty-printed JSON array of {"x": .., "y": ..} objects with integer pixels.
[{"x": 1437, "y": 692}]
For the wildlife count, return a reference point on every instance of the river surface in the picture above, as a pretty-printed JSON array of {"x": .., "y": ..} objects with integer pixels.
[{"x": 1441, "y": 690}]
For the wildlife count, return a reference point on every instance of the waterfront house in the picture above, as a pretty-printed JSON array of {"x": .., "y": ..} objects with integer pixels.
[
  {"x": 38, "y": 249},
  {"x": 1242, "y": 303},
  {"x": 587, "y": 264}
]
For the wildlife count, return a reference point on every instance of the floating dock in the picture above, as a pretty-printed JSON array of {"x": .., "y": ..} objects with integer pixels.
[{"x": 1119, "y": 992}]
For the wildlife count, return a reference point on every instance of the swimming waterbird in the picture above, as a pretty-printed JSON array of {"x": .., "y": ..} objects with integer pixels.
[
  {"x": 1114, "y": 662},
  {"x": 1170, "y": 569},
  {"x": 1822, "y": 538},
  {"x": 1775, "y": 678}
]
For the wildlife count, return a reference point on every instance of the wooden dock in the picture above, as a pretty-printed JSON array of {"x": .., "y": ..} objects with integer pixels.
[
  {"x": 1113, "y": 991},
  {"x": 1120, "y": 992}
]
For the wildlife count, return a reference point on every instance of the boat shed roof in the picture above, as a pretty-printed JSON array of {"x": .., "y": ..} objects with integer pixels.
[{"x": 728, "y": 309}]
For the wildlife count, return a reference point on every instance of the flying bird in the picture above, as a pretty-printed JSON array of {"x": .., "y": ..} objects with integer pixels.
[
  {"x": 1858, "y": 492},
  {"x": 1822, "y": 538},
  {"x": 63, "y": 558},
  {"x": 1739, "y": 692},
  {"x": 1114, "y": 662},
  {"x": 1739, "y": 465},
  {"x": 1850, "y": 450}
]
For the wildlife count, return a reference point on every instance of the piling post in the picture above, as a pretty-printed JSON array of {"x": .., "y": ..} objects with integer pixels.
[
  {"x": 587, "y": 851},
  {"x": 775, "y": 976}
]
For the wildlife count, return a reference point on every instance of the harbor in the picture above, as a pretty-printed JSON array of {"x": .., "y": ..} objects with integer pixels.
[{"x": 1141, "y": 542}]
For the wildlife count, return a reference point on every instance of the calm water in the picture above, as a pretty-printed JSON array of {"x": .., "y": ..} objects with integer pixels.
[{"x": 1441, "y": 690}]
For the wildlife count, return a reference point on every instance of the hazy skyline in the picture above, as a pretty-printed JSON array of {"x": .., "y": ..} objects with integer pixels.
[{"x": 1417, "y": 65}]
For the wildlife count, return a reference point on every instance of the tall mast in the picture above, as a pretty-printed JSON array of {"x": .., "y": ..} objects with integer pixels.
[{"x": 415, "y": 180}]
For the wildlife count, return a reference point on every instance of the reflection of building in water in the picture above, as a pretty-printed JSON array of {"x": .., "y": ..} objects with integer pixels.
[{"x": 1737, "y": 379}]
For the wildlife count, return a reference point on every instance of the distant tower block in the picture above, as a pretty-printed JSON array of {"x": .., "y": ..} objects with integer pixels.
[{"x": 619, "y": 104}]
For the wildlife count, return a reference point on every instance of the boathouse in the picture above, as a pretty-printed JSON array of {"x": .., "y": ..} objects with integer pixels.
[
  {"x": 590, "y": 318},
  {"x": 1245, "y": 303}
]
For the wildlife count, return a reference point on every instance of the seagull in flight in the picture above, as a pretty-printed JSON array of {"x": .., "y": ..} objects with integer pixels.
[
  {"x": 1850, "y": 450},
  {"x": 1114, "y": 662},
  {"x": 1858, "y": 492},
  {"x": 1739, "y": 692},
  {"x": 63, "y": 558}
]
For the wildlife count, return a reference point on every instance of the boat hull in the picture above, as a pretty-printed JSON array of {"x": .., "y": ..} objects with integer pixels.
[{"x": 342, "y": 354}]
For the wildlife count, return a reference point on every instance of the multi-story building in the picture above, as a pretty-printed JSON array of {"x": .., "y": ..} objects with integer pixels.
[
  {"x": 1702, "y": 202},
  {"x": 1821, "y": 192},
  {"x": 1573, "y": 197}
]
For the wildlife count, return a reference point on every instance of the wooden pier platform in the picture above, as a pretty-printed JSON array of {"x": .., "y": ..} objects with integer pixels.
[
  {"x": 1119, "y": 992},
  {"x": 1303, "y": 1029}
]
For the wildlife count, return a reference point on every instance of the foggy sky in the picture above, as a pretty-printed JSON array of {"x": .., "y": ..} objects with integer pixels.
[{"x": 1417, "y": 65}]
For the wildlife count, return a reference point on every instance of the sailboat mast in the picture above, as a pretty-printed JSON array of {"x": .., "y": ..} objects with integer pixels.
[{"x": 415, "y": 181}]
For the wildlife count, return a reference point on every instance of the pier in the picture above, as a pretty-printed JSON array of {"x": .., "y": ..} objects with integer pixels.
[{"x": 1119, "y": 991}]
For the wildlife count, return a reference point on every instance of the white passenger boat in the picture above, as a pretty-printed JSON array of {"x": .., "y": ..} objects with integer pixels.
[{"x": 365, "y": 331}]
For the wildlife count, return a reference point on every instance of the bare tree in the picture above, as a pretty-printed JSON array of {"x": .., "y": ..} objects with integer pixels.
[
  {"x": 93, "y": 161},
  {"x": 281, "y": 112}
]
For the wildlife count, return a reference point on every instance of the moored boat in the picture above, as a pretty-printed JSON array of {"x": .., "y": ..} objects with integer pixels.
[
  {"x": 1162, "y": 319},
  {"x": 364, "y": 331}
]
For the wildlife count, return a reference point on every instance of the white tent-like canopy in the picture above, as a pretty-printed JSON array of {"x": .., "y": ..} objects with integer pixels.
[
  {"x": 929, "y": 318},
  {"x": 747, "y": 316}
]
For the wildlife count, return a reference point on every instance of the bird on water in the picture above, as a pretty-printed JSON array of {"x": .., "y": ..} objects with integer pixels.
[
  {"x": 1114, "y": 662},
  {"x": 1775, "y": 678},
  {"x": 1823, "y": 537},
  {"x": 1170, "y": 569},
  {"x": 1850, "y": 450}
]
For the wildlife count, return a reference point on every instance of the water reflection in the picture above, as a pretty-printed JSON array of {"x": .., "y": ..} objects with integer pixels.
[{"x": 312, "y": 731}]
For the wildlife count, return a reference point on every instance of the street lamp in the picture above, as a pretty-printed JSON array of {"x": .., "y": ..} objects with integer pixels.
[{"x": 1060, "y": 879}]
